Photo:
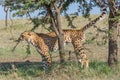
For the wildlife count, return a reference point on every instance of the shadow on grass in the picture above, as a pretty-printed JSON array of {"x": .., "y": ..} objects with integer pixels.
[
  {"x": 35, "y": 68},
  {"x": 6, "y": 66},
  {"x": 23, "y": 68}
]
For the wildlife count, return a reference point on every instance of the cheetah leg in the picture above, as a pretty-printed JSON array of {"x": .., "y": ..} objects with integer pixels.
[
  {"x": 87, "y": 63},
  {"x": 69, "y": 58},
  {"x": 80, "y": 55},
  {"x": 84, "y": 61},
  {"x": 46, "y": 58}
]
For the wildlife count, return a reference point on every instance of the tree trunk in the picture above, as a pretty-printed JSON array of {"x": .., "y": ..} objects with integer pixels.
[
  {"x": 61, "y": 47},
  {"x": 113, "y": 47},
  {"x": 60, "y": 36},
  {"x": 56, "y": 24},
  {"x": 6, "y": 16},
  {"x": 113, "y": 32}
]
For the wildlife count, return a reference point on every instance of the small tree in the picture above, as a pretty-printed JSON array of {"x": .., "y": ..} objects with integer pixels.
[
  {"x": 6, "y": 9},
  {"x": 56, "y": 23}
]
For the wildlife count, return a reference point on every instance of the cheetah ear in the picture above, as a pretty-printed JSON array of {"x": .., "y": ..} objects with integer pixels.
[{"x": 29, "y": 34}]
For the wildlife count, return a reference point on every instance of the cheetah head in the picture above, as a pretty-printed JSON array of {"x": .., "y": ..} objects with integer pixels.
[{"x": 28, "y": 36}]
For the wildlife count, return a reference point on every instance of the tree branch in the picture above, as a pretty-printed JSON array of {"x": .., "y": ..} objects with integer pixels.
[
  {"x": 54, "y": 24},
  {"x": 60, "y": 5},
  {"x": 112, "y": 7},
  {"x": 55, "y": 6},
  {"x": 98, "y": 2}
]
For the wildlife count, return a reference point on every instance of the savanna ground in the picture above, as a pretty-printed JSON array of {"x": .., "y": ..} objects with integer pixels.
[{"x": 27, "y": 64}]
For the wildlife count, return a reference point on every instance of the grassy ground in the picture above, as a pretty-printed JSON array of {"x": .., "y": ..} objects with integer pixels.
[{"x": 69, "y": 70}]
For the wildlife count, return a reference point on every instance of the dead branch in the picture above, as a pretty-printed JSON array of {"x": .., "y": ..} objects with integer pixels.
[{"x": 18, "y": 41}]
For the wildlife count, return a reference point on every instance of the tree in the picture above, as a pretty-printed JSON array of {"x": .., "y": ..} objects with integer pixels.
[
  {"x": 56, "y": 23},
  {"x": 52, "y": 7},
  {"x": 114, "y": 17},
  {"x": 6, "y": 9}
]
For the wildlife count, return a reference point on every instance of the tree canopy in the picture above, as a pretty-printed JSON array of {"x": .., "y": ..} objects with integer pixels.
[{"x": 22, "y": 8}]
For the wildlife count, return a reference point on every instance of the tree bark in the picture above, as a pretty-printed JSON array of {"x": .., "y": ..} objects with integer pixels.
[
  {"x": 113, "y": 47},
  {"x": 113, "y": 32},
  {"x": 6, "y": 16},
  {"x": 60, "y": 36}
]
